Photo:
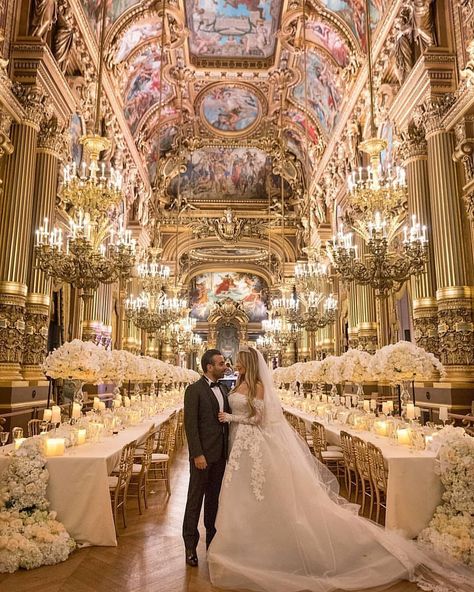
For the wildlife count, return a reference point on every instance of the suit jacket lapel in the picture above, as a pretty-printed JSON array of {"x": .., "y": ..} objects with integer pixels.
[{"x": 214, "y": 401}]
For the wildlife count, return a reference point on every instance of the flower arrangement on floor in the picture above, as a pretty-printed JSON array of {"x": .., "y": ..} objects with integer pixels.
[
  {"x": 451, "y": 530},
  {"x": 88, "y": 362},
  {"x": 30, "y": 535}
]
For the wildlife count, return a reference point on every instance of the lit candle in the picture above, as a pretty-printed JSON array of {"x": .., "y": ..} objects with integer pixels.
[
  {"x": 417, "y": 412},
  {"x": 18, "y": 442},
  {"x": 373, "y": 404},
  {"x": 47, "y": 414},
  {"x": 54, "y": 446},
  {"x": 443, "y": 413},
  {"x": 55, "y": 414},
  {"x": 390, "y": 405},
  {"x": 117, "y": 403},
  {"x": 76, "y": 411},
  {"x": 367, "y": 406},
  {"x": 96, "y": 403},
  {"x": 81, "y": 436},
  {"x": 101, "y": 406},
  {"x": 381, "y": 428},
  {"x": 403, "y": 436},
  {"x": 385, "y": 408},
  {"x": 410, "y": 411}
]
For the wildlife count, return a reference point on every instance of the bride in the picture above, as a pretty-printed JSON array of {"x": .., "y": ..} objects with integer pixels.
[{"x": 281, "y": 525}]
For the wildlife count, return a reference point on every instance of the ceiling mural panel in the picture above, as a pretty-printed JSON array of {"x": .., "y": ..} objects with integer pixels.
[
  {"x": 115, "y": 8},
  {"x": 233, "y": 28},
  {"x": 209, "y": 288},
  {"x": 230, "y": 109},
  {"x": 324, "y": 90},
  {"x": 135, "y": 35},
  {"x": 142, "y": 89},
  {"x": 243, "y": 173},
  {"x": 352, "y": 13},
  {"x": 320, "y": 32}
]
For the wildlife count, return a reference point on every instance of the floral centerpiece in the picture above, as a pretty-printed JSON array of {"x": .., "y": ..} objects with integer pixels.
[
  {"x": 451, "y": 530},
  {"x": 30, "y": 535},
  {"x": 77, "y": 360},
  {"x": 356, "y": 366}
]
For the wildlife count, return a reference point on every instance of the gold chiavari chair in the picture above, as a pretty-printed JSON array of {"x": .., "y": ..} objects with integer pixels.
[
  {"x": 180, "y": 433},
  {"x": 363, "y": 468},
  {"x": 34, "y": 427},
  {"x": 379, "y": 475},
  {"x": 332, "y": 456},
  {"x": 160, "y": 459},
  {"x": 351, "y": 474},
  {"x": 139, "y": 478},
  {"x": 118, "y": 483}
]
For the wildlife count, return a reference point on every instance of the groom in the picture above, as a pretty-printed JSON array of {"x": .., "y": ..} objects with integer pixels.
[{"x": 207, "y": 442}]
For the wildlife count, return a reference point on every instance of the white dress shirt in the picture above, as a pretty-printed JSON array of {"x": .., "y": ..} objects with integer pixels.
[{"x": 218, "y": 393}]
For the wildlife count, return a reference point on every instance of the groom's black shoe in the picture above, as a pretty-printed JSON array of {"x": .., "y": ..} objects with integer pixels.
[{"x": 191, "y": 557}]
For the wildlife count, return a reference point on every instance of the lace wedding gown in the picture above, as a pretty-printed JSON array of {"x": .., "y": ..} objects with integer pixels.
[{"x": 282, "y": 527}]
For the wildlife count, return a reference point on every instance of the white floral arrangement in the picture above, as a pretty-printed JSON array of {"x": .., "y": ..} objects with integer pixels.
[
  {"x": 77, "y": 360},
  {"x": 331, "y": 370},
  {"x": 405, "y": 361},
  {"x": 278, "y": 376},
  {"x": 451, "y": 530},
  {"x": 30, "y": 535},
  {"x": 356, "y": 366},
  {"x": 115, "y": 366}
]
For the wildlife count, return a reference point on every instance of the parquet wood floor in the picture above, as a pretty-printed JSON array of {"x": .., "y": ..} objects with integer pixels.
[{"x": 149, "y": 556}]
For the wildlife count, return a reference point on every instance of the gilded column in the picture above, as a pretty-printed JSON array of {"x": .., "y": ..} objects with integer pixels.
[
  {"x": 106, "y": 317},
  {"x": 16, "y": 206},
  {"x": 451, "y": 254},
  {"x": 91, "y": 324},
  {"x": 365, "y": 311},
  {"x": 50, "y": 145},
  {"x": 353, "y": 332},
  {"x": 425, "y": 308}
]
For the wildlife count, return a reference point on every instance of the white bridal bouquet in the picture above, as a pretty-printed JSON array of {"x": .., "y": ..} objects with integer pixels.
[{"x": 30, "y": 535}]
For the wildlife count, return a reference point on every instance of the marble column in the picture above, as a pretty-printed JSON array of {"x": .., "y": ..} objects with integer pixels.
[
  {"x": 16, "y": 234},
  {"x": 451, "y": 254},
  {"x": 51, "y": 144},
  {"x": 414, "y": 152}
]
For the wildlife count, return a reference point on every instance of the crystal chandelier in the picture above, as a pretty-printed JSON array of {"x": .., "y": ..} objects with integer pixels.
[
  {"x": 320, "y": 311},
  {"x": 83, "y": 261},
  {"x": 266, "y": 344},
  {"x": 153, "y": 275},
  {"x": 281, "y": 330},
  {"x": 154, "y": 312},
  {"x": 310, "y": 275},
  {"x": 376, "y": 210},
  {"x": 385, "y": 267}
]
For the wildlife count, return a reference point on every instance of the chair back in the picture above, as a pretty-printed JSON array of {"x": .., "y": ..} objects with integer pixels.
[
  {"x": 318, "y": 433},
  {"x": 301, "y": 428},
  {"x": 348, "y": 450},
  {"x": 126, "y": 464},
  {"x": 148, "y": 450},
  {"x": 378, "y": 472},
  {"x": 361, "y": 457},
  {"x": 34, "y": 427}
]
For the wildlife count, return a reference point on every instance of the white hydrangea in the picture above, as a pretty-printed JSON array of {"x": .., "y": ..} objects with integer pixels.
[{"x": 404, "y": 361}]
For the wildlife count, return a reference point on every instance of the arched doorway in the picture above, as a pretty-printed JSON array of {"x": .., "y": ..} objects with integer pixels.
[{"x": 228, "y": 324}]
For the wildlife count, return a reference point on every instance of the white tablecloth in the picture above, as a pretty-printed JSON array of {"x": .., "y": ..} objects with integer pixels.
[
  {"x": 413, "y": 489},
  {"x": 78, "y": 488}
]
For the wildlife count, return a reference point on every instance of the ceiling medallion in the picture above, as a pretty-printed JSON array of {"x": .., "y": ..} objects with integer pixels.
[{"x": 231, "y": 110}]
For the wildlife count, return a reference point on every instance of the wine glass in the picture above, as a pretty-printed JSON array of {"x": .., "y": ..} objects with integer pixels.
[{"x": 4, "y": 439}]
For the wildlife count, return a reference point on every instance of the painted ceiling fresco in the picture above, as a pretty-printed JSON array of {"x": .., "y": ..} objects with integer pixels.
[
  {"x": 321, "y": 33},
  {"x": 135, "y": 35},
  {"x": 142, "y": 89},
  {"x": 248, "y": 289},
  {"x": 159, "y": 144},
  {"x": 324, "y": 92},
  {"x": 115, "y": 8},
  {"x": 233, "y": 28},
  {"x": 229, "y": 173},
  {"x": 352, "y": 12},
  {"x": 230, "y": 108}
]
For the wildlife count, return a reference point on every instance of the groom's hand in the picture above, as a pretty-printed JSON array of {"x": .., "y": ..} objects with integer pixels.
[{"x": 200, "y": 462}]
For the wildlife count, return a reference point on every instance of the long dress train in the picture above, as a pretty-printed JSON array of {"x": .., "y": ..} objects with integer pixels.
[{"x": 282, "y": 527}]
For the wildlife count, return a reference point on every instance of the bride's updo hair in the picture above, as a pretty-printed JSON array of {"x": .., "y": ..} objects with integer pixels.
[{"x": 249, "y": 359}]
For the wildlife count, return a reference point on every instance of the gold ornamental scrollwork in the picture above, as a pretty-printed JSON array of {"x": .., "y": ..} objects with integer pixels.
[
  {"x": 12, "y": 330},
  {"x": 36, "y": 335},
  {"x": 33, "y": 101},
  {"x": 456, "y": 332},
  {"x": 414, "y": 145},
  {"x": 53, "y": 138}
]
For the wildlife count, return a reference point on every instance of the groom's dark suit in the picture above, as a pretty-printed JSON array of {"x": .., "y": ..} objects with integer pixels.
[{"x": 206, "y": 436}]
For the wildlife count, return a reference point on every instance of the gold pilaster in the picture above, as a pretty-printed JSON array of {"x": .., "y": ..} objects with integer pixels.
[
  {"x": 50, "y": 145},
  {"x": 365, "y": 310},
  {"x": 454, "y": 293},
  {"x": 352, "y": 317},
  {"x": 16, "y": 204},
  {"x": 425, "y": 309}
]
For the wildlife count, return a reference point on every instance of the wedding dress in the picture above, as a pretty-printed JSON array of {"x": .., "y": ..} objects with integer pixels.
[{"x": 282, "y": 527}]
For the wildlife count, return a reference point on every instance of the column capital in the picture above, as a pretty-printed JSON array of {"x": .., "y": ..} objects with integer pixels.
[
  {"x": 430, "y": 114},
  {"x": 414, "y": 145},
  {"x": 33, "y": 101},
  {"x": 52, "y": 137}
]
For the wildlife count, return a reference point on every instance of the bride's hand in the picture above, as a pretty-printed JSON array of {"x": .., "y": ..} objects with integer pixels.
[{"x": 223, "y": 417}]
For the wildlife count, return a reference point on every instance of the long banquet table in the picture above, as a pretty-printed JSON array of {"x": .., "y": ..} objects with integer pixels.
[
  {"x": 78, "y": 488},
  {"x": 413, "y": 489}
]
